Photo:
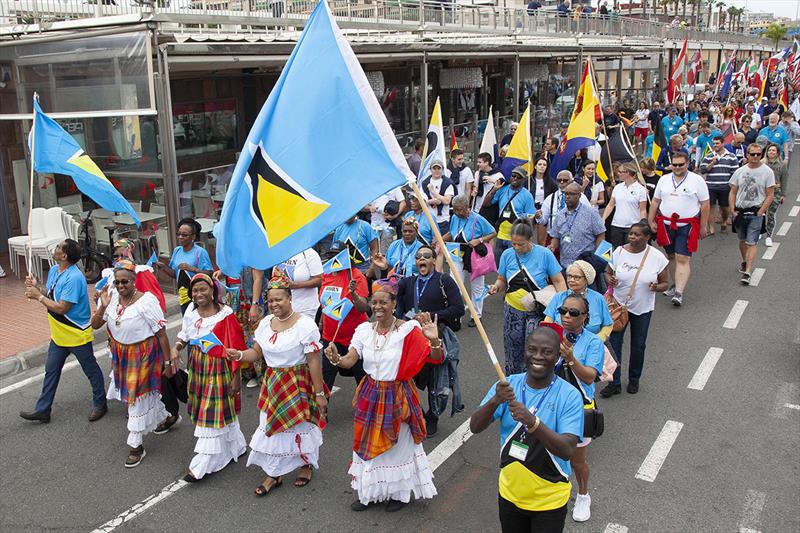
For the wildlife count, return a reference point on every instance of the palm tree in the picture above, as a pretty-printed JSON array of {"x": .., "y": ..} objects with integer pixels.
[
  {"x": 695, "y": 7},
  {"x": 775, "y": 33},
  {"x": 708, "y": 18},
  {"x": 720, "y": 20},
  {"x": 684, "y": 9}
]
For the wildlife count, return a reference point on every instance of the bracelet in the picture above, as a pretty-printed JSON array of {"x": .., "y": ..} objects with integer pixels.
[
  {"x": 320, "y": 394},
  {"x": 40, "y": 298},
  {"x": 438, "y": 346},
  {"x": 536, "y": 423},
  {"x": 241, "y": 355}
]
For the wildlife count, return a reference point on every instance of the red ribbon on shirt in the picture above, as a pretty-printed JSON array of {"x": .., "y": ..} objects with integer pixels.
[{"x": 662, "y": 237}]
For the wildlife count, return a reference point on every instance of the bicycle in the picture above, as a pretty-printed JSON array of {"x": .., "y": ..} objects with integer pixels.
[{"x": 92, "y": 261}]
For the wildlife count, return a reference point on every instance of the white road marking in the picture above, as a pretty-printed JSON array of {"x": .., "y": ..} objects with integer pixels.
[
  {"x": 755, "y": 277},
  {"x": 651, "y": 465},
  {"x": 449, "y": 445},
  {"x": 615, "y": 528},
  {"x": 794, "y": 210},
  {"x": 735, "y": 315},
  {"x": 98, "y": 353},
  {"x": 751, "y": 512},
  {"x": 792, "y": 406},
  {"x": 141, "y": 507},
  {"x": 784, "y": 229},
  {"x": 748, "y": 530},
  {"x": 786, "y": 396},
  {"x": 704, "y": 370},
  {"x": 770, "y": 253},
  {"x": 798, "y": 198}
]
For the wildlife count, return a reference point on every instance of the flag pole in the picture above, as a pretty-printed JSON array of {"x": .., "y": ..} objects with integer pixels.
[
  {"x": 603, "y": 118},
  {"x": 467, "y": 298},
  {"x": 30, "y": 197},
  {"x": 632, "y": 151}
]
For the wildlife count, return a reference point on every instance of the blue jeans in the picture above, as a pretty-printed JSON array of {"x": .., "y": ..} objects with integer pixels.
[
  {"x": 639, "y": 324},
  {"x": 56, "y": 356}
]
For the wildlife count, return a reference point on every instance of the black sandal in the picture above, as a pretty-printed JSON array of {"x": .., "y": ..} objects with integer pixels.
[
  {"x": 302, "y": 481},
  {"x": 135, "y": 456},
  {"x": 261, "y": 490}
]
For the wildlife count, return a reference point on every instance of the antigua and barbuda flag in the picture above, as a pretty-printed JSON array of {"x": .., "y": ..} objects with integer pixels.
[
  {"x": 290, "y": 188},
  {"x": 55, "y": 151},
  {"x": 338, "y": 310},
  {"x": 206, "y": 342},
  {"x": 340, "y": 261}
]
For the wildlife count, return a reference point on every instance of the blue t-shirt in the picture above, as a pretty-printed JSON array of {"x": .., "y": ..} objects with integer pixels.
[
  {"x": 777, "y": 136},
  {"x": 197, "y": 256},
  {"x": 72, "y": 328},
  {"x": 357, "y": 237},
  {"x": 538, "y": 265},
  {"x": 401, "y": 257},
  {"x": 599, "y": 315},
  {"x": 671, "y": 125},
  {"x": 589, "y": 350},
  {"x": 648, "y": 145},
  {"x": 561, "y": 410},
  {"x": 425, "y": 231},
  {"x": 704, "y": 140},
  {"x": 474, "y": 226},
  {"x": 522, "y": 203}
]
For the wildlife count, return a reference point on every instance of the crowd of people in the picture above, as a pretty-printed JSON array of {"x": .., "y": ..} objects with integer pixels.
[{"x": 534, "y": 235}]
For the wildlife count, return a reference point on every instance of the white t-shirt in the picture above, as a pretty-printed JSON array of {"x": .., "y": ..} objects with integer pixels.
[
  {"x": 626, "y": 264},
  {"x": 641, "y": 118},
  {"x": 682, "y": 197},
  {"x": 627, "y": 201},
  {"x": 307, "y": 264},
  {"x": 596, "y": 189},
  {"x": 377, "y": 221},
  {"x": 539, "y": 196},
  {"x": 464, "y": 177},
  {"x": 289, "y": 347},
  {"x": 137, "y": 322},
  {"x": 445, "y": 216}
]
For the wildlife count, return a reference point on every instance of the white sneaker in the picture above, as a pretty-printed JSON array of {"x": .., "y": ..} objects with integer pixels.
[
  {"x": 582, "y": 511},
  {"x": 252, "y": 383},
  {"x": 768, "y": 241}
]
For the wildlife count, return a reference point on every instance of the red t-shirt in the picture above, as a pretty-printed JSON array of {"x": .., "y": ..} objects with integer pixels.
[{"x": 341, "y": 280}]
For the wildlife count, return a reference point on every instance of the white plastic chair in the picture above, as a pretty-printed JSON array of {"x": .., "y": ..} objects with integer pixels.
[
  {"x": 162, "y": 239},
  {"x": 54, "y": 233},
  {"x": 137, "y": 205},
  {"x": 17, "y": 246},
  {"x": 158, "y": 209}
]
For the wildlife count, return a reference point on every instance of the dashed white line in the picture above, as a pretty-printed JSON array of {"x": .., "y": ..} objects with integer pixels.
[
  {"x": 798, "y": 199},
  {"x": 794, "y": 210},
  {"x": 141, "y": 507},
  {"x": 784, "y": 229},
  {"x": 748, "y": 530},
  {"x": 770, "y": 253},
  {"x": 751, "y": 511},
  {"x": 615, "y": 528},
  {"x": 651, "y": 465},
  {"x": 449, "y": 445},
  {"x": 707, "y": 365},
  {"x": 792, "y": 406},
  {"x": 786, "y": 396},
  {"x": 735, "y": 315},
  {"x": 755, "y": 277}
]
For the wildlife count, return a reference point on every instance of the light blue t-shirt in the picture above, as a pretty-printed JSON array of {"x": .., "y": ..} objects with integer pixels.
[
  {"x": 777, "y": 136},
  {"x": 704, "y": 140},
  {"x": 70, "y": 286},
  {"x": 561, "y": 410},
  {"x": 197, "y": 256},
  {"x": 425, "y": 232},
  {"x": 522, "y": 203},
  {"x": 539, "y": 263},
  {"x": 671, "y": 125},
  {"x": 357, "y": 236},
  {"x": 474, "y": 226},
  {"x": 401, "y": 257},
  {"x": 589, "y": 350},
  {"x": 648, "y": 145},
  {"x": 599, "y": 315}
]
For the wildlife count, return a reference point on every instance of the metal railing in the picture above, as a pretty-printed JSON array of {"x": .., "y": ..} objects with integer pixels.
[{"x": 15, "y": 15}]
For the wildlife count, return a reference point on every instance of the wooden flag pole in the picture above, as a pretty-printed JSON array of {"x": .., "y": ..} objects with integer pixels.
[
  {"x": 603, "y": 120},
  {"x": 30, "y": 197},
  {"x": 467, "y": 298}
]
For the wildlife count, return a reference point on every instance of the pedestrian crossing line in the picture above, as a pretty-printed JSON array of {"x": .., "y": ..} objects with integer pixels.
[
  {"x": 751, "y": 512},
  {"x": 770, "y": 253},
  {"x": 648, "y": 471},
  {"x": 449, "y": 445},
  {"x": 798, "y": 199},
  {"x": 735, "y": 315},
  {"x": 785, "y": 398},
  {"x": 615, "y": 528},
  {"x": 784, "y": 229},
  {"x": 141, "y": 507},
  {"x": 707, "y": 365},
  {"x": 792, "y": 406},
  {"x": 755, "y": 277},
  {"x": 794, "y": 210}
]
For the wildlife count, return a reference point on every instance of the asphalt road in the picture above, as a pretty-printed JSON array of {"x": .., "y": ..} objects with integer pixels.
[{"x": 729, "y": 467}]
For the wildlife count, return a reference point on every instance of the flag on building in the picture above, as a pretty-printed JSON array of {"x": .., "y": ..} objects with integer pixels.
[
  {"x": 613, "y": 151},
  {"x": 340, "y": 261},
  {"x": 434, "y": 143},
  {"x": 693, "y": 76},
  {"x": 676, "y": 75},
  {"x": 581, "y": 129},
  {"x": 489, "y": 139},
  {"x": 519, "y": 151},
  {"x": 289, "y": 189},
  {"x": 55, "y": 151}
]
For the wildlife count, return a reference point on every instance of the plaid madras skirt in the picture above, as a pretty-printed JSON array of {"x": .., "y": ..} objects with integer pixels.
[
  {"x": 380, "y": 408},
  {"x": 136, "y": 367},
  {"x": 287, "y": 398},
  {"x": 211, "y": 403}
]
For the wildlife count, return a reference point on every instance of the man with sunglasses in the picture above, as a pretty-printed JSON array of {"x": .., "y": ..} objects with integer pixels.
[
  {"x": 679, "y": 216},
  {"x": 575, "y": 229},
  {"x": 752, "y": 190}
]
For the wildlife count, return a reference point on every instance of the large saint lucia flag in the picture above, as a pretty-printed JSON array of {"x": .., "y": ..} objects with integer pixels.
[
  {"x": 581, "y": 130},
  {"x": 519, "y": 151},
  {"x": 289, "y": 189},
  {"x": 434, "y": 143},
  {"x": 55, "y": 151}
]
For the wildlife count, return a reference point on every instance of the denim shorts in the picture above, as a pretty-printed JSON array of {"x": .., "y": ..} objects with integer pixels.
[
  {"x": 679, "y": 241},
  {"x": 749, "y": 228}
]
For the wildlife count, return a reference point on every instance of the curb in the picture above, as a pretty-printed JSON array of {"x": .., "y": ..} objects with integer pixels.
[{"x": 37, "y": 356}]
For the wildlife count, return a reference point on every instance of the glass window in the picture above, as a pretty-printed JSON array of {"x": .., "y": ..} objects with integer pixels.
[{"x": 203, "y": 127}]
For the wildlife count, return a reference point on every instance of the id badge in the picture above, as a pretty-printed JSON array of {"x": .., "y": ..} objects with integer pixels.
[
  {"x": 518, "y": 450},
  {"x": 567, "y": 239}
]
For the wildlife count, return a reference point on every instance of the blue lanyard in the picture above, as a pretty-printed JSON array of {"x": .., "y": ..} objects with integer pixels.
[
  {"x": 51, "y": 289},
  {"x": 574, "y": 218},
  {"x": 676, "y": 185},
  {"x": 420, "y": 291},
  {"x": 541, "y": 399}
]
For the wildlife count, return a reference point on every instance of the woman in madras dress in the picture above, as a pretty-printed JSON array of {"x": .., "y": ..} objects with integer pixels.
[
  {"x": 137, "y": 340},
  {"x": 208, "y": 328},
  {"x": 292, "y": 401},
  {"x": 388, "y": 461}
]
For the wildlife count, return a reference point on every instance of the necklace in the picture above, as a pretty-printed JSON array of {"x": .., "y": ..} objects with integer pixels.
[
  {"x": 285, "y": 319},
  {"x": 379, "y": 342},
  {"x": 122, "y": 307}
]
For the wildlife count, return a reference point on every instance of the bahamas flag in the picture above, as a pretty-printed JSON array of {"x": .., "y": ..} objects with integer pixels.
[
  {"x": 581, "y": 130},
  {"x": 55, "y": 151},
  {"x": 519, "y": 151},
  {"x": 281, "y": 200},
  {"x": 434, "y": 143},
  {"x": 206, "y": 342}
]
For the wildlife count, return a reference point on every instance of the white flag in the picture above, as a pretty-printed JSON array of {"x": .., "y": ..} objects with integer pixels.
[{"x": 489, "y": 139}]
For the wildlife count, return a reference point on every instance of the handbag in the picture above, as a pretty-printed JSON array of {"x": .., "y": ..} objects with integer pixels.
[
  {"x": 609, "y": 364},
  {"x": 529, "y": 301},
  {"x": 618, "y": 311},
  {"x": 594, "y": 422},
  {"x": 481, "y": 264}
]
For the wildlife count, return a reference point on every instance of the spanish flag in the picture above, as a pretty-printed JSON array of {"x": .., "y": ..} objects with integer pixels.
[
  {"x": 581, "y": 130},
  {"x": 519, "y": 151}
]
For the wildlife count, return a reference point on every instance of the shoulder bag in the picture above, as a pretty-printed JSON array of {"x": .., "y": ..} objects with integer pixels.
[
  {"x": 529, "y": 301},
  {"x": 481, "y": 257},
  {"x": 618, "y": 311}
]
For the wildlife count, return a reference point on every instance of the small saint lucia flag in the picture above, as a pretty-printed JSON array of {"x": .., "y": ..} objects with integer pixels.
[
  {"x": 206, "y": 342},
  {"x": 329, "y": 295},
  {"x": 340, "y": 261},
  {"x": 604, "y": 251},
  {"x": 454, "y": 249},
  {"x": 338, "y": 310}
]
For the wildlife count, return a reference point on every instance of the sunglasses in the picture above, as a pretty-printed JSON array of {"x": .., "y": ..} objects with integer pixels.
[
  {"x": 755, "y": 153},
  {"x": 120, "y": 256},
  {"x": 121, "y": 281},
  {"x": 678, "y": 164},
  {"x": 563, "y": 181},
  {"x": 572, "y": 311},
  {"x": 427, "y": 255}
]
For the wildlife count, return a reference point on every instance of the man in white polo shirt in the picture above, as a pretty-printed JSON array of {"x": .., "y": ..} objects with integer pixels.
[{"x": 679, "y": 216}]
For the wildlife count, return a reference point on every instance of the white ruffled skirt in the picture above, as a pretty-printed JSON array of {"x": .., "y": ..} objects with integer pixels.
[
  {"x": 286, "y": 451},
  {"x": 394, "y": 474},
  {"x": 215, "y": 448},
  {"x": 146, "y": 413},
  {"x": 113, "y": 391}
]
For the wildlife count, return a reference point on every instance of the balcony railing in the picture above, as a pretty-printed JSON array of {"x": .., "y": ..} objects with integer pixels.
[{"x": 17, "y": 15}]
